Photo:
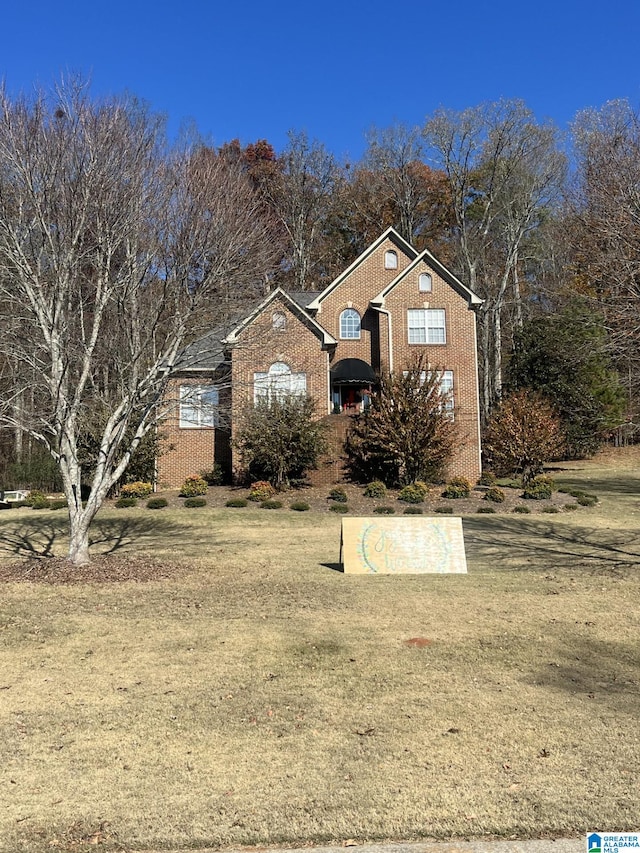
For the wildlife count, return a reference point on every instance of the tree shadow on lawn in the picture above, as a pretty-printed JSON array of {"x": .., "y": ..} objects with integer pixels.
[
  {"x": 606, "y": 671},
  {"x": 37, "y": 536},
  {"x": 615, "y": 484},
  {"x": 532, "y": 544}
]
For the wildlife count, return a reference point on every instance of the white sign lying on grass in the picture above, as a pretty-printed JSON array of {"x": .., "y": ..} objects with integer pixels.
[{"x": 418, "y": 545}]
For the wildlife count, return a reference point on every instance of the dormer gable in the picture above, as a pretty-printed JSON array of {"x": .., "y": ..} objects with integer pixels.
[
  {"x": 430, "y": 263},
  {"x": 281, "y": 297},
  {"x": 391, "y": 247}
]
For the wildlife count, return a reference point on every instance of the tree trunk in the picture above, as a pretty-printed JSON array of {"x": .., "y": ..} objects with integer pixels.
[{"x": 79, "y": 540}]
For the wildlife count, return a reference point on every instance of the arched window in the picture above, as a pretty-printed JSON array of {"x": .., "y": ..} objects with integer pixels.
[
  {"x": 279, "y": 321},
  {"x": 278, "y": 382},
  {"x": 391, "y": 260},
  {"x": 350, "y": 324},
  {"x": 425, "y": 283}
]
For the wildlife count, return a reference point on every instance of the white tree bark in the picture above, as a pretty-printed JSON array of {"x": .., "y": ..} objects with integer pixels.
[{"x": 113, "y": 252}]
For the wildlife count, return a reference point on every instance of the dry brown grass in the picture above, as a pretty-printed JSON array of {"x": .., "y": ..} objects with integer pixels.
[{"x": 258, "y": 696}]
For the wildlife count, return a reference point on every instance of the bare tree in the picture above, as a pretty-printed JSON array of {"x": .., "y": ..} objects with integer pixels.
[
  {"x": 300, "y": 192},
  {"x": 605, "y": 205},
  {"x": 112, "y": 251},
  {"x": 504, "y": 172}
]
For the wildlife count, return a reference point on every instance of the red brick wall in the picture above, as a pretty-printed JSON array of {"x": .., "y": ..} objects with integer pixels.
[
  {"x": 184, "y": 451},
  {"x": 260, "y": 345},
  {"x": 457, "y": 354}
]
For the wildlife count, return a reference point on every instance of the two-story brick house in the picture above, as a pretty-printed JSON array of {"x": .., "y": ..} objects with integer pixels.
[{"x": 390, "y": 304}]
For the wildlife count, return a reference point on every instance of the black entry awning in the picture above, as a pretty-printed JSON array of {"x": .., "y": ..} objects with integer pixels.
[{"x": 353, "y": 371}]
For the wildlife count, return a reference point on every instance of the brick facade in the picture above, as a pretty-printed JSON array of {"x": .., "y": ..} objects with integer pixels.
[{"x": 307, "y": 340}]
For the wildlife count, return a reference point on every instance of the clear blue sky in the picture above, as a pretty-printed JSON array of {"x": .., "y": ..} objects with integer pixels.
[{"x": 335, "y": 68}]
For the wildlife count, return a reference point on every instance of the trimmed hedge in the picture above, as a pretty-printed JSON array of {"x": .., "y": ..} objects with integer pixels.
[
  {"x": 195, "y": 502},
  {"x": 237, "y": 502},
  {"x": 125, "y": 502},
  {"x": 157, "y": 503}
]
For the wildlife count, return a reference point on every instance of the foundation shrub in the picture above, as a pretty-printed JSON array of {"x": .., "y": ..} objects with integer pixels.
[
  {"x": 486, "y": 509},
  {"x": 384, "y": 510},
  {"x": 495, "y": 495},
  {"x": 412, "y": 494},
  {"x": 340, "y": 508},
  {"x": 538, "y": 489},
  {"x": 376, "y": 489},
  {"x": 413, "y": 510},
  {"x": 338, "y": 494},
  {"x": 458, "y": 487},
  {"x": 444, "y": 510},
  {"x": 299, "y": 506},
  {"x": 157, "y": 503},
  {"x": 237, "y": 503},
  {"x": 260, "y": 491},
  {"x": 193, "y": 487},
  {"x": 124, "y": 502},
  {"x": 193, "y": 503},
  {"x": 271, "y": 504},
  {"x": 136, "y": 490}
]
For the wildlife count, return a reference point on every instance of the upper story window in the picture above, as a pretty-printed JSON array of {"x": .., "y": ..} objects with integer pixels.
[
  {"x": 391, "y": 260},
  {"x": 278, "y": 382},
  {"x": 425, "y": 284},
  {"x": 350, "y": 324},
  {"x": 279, "y": 321},
  {"x": 198, "y": 406},
  {"x": 426, "y": 326}
]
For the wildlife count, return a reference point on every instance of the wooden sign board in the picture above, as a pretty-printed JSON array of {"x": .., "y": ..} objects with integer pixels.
[{"x": 417, "y": 545}]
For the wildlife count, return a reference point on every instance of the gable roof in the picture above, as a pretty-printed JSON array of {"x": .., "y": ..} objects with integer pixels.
[
  {"x": 389, "y": 234},
  {"x": 295, "y": 307},
  {"x": 444, "y": 273}
]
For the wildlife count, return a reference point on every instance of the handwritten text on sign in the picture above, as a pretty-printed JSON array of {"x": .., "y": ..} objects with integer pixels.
[{"x": 377, "y": 546}]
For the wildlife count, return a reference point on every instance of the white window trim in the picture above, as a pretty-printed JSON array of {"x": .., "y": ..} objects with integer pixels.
[
  {"x": 279, "y": 321},
  {"x": 425, "y": 282},
  {"x": 352, "y": 313},
  {"x": 428, "y": 327},
  {"x": 390, "y": 260},
  {"x": 278, "y": 381},
  {"x": 198, "y": 406}
]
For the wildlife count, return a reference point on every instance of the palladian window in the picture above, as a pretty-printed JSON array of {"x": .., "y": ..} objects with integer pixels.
[{"x": 278, "y": 382}]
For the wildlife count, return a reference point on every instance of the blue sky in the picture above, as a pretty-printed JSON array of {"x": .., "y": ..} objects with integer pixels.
[{"x": 334, "y": 69}]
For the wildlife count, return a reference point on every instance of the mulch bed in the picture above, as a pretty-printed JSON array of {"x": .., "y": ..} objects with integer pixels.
[
  {"x": 319, "y": 500},
  {"x": 103, "y": 568}
]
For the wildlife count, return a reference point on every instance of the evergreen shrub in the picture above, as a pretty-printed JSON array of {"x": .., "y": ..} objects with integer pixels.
[
  {"x": 458, "y": 487},
  {"x": 124, "y": 502},
  {"x": 376, "y": 489},
  {"x": 270, "y": 503},
  {"x": 338, "y": 494},
  {"x": 192, "y": 503},
  {"x": 413, "y": 494},
  {"x": 157, "y": 503},
  {"x": 495, "y": 494}
]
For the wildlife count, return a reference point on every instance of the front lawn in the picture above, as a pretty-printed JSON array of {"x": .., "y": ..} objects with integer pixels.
[{"x": 240, "y": 690}]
